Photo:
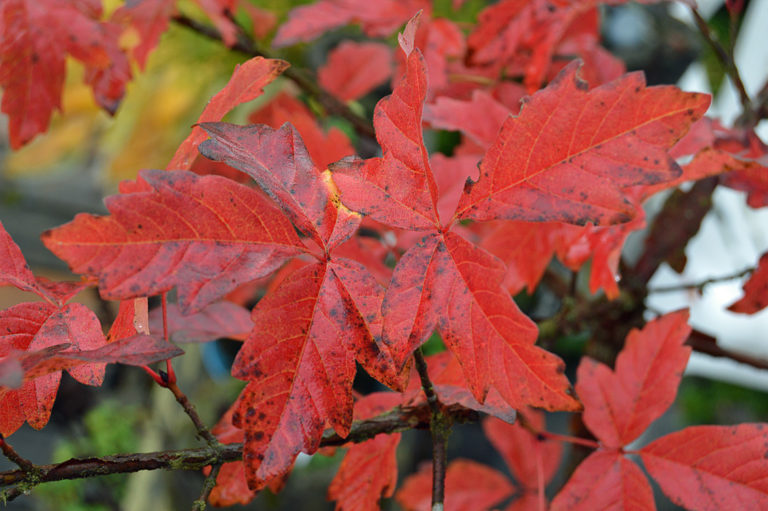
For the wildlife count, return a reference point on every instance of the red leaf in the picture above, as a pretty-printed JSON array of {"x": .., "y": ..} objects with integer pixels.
[
  {"x": 527, "y": 248},
  {"x": 450, "y": 175},
  {"x": 300, "y": 363},
  {"x": 755, "y": 290},
  {"x": 149, "y": 18},
  {"x": 137, "y": 350},
  {"x": 405, "y": 194},
  {"x": 753, "y": 180},
  {"x": 217, "y": 320},
  {"x": 280, "y": 164},
  {"x": 378, "y": 19},
  {"x": 33, "y": 334},
  {"x": 228, "y": 234},
  {"x": 220, "y": 12},
  {"x": 619, "y": 405},
  {"x": 355, "y": 69},
  {"x": 231, "y": 486},
  {"x": 571, "y": 153},
  {"x": 14, "y": 270},
  {"x": 246, "y": 84},
  {"x": 453, "y": 284},
  {"x": 606, "y": 480},
  {"x": 324, "y": 148},
  {"x": 368, "y": 471},
  {"x": 480, "y": 118},
  {"x": 35, "y": 38},
  {"x": 710, "y": 468},
  {"x": 532, "y": 461},
  {"x": 469, "y": 486}
]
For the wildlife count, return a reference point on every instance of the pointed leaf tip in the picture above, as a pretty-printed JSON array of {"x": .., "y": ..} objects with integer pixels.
[{"x": 408, "y": 36}]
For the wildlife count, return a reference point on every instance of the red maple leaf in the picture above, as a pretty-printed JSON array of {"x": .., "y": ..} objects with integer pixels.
[
  {"x": 755, "y": 290},
  {"x": 203, "y": 231},
  {"x": 246, "y": 84},
  {"x": 378, "y": 19},
  {"x": 469, "y": 486},
  {"x": 38, "y": 340},
  {"x": 368, "y": 471},
  {"x": 149, "y": 18},
  {"x": 323, "y": 147},
  {"x": 700, "y": 467},
  {"x": 443, "y": 281},
  {"x": 301, "y": 369},
  {"x": 575, "y": 151},
  {"x": 35, "y": 38},
  {"x": 354, "y": 69}
]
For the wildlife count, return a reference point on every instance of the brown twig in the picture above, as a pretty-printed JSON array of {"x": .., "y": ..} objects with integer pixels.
[
  {"x": 440, "y": 429},
  {"x": 396, "y": 420},
  {"x": 208, "y": 485},
  {"x": 10, "y": 453},
  {"x": 724, "y": 57},
  {"x": 302, "y": 78},
  {"x": 703, "y": 343},
  {"x": 202, "y": 430},
  {"x": 699, "y": 286}
]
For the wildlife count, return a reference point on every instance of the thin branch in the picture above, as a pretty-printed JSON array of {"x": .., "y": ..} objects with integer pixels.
[
  {"x": 440, "y": 429},
  {"x": 724, "y": 57},
  {"x": 703, "y": 343},
  {"x": 426, "y": 383},
  {"x": 699, "y": 286},
  {"x": 394, "y": 421},
  {"x": 308, "y": 83},
  {"x": 202, "y": 431},
  {"x": 10, "y": 453},
  {"x": 208, "y": 485}
]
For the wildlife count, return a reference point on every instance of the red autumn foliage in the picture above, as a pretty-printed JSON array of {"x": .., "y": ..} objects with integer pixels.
[{"x": 359, "y": 261}]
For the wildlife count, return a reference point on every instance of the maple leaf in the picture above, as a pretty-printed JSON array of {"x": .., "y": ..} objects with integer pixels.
[
  {"x": 397, "y": 189},
  {"x": 323, "y": 148},
  {"x": 149, "y": 19},
  {"x": 279, "y": 162},
  {"x": 576, "y": 151},
  {"x": 701, "y": 467},
  {"x": 443, "y": 280},
  {"x": 378, "y": 19},
  {"x": 516, "y": 445},
  {"x": 39, "y": 340},
  {"x": 480, "y": 118},
  {"x": 711, "y": 467},
  {"x": 216, "y": 320},
  {"x": 527, "y": 248},
  {"x": 442, "y": 43},
  {"x": 220, "y": 12},
  {"x": 469, "y": 486},
  {"x": 35, "y": 38},
  {"x": 300, "y": 363},
  {"x": 14, "y": 270},
  {"x": 368, "y": 471},
  {"x": 755, "y": 290},
  {"x": 231, "y": 485},
  {"x": 247, "y": 81},
  {"x": 204, "y": 235},
  {"x": 620, "y": 405},
  {"x": 355, "y": 69},
  {"x": 605, "y": 480}
]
